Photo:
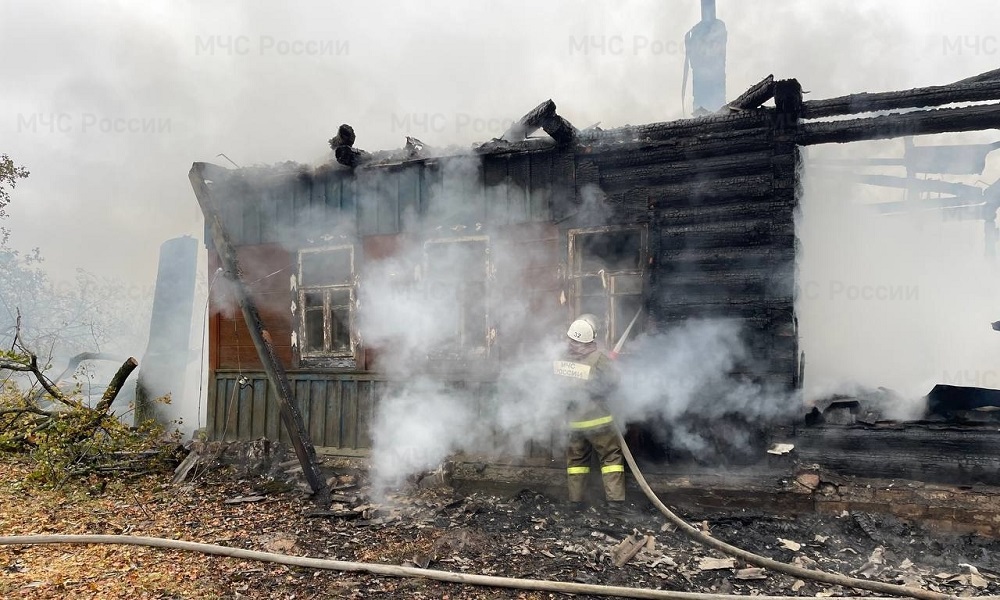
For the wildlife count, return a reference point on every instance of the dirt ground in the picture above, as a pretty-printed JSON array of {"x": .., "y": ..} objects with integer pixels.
[{"x": 523, "y": 535}]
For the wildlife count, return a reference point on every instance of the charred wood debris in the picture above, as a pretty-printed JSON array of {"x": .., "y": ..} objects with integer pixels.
[
  {"x": 533, "y": 535},
  {"x": 807, "y": 121},
  {"x": 428, "y": 523}
]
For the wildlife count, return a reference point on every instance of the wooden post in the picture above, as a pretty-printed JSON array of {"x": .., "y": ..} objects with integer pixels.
[{"x": 290, "y": 416}]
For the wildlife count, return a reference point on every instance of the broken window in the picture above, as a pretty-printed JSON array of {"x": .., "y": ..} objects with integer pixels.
[
  {"x": 326, "y": 302},
  {"x": 456, "y": 276},
  {"x": 606, "y": 270}
]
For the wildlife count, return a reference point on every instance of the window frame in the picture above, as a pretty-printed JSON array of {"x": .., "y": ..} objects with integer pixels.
[
  {"x": 576, "y": 276},
  {"x": 483, "y": 351},
  {"x": 328, "y": 356}
]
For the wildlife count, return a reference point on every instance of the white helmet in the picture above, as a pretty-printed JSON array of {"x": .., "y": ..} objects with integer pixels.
[{"x": 583, "y": 329}]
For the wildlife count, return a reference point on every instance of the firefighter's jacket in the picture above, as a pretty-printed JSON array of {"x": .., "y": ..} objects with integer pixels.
[{"x": 588, "y": 384}]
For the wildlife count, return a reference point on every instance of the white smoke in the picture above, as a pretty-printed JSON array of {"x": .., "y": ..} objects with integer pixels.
[{"x": 900, "y": 301}]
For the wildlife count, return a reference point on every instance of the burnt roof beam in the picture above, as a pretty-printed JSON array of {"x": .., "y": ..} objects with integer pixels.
[
  {"x": 542, "y": 117},
  {"x": 757, "y": 94},
  {"x": 975, "y": 91},
  {"x": 921, "y": 122}
]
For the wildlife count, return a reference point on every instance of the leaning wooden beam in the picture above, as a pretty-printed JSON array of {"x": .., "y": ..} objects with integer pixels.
[
  {"x": 922, "y": 122},
  {"x": 758, "y": 94},
  {"x": 544, "y": 117},
  {"x": 915, "y": 98},
  {"x": 276, "y": 376}
]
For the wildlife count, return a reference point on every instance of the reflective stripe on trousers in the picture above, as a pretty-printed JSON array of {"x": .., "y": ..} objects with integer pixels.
[{"x": 598, "y": 422}]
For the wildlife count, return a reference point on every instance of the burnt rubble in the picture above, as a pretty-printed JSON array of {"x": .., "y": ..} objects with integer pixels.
[{"x": 430, "y": 524}]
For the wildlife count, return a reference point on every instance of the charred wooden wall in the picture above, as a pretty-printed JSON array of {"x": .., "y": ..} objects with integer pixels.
[{"x": 716, "y": 195}]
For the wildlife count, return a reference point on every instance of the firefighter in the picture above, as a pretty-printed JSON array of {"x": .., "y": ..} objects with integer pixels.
[{"x": 590, "y": 379}]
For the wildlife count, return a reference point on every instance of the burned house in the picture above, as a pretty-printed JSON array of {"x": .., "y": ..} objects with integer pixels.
[{"x": 672, "y": 221}]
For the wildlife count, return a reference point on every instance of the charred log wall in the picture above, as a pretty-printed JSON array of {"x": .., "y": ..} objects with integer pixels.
[
  {"x": 716, "y": 197},
  {"x": 719, "y": 203}
]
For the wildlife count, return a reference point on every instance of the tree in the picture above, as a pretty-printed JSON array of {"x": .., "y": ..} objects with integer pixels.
[
  {"x": 9, "y": 174},
  {"x": 88, "y": 314}
]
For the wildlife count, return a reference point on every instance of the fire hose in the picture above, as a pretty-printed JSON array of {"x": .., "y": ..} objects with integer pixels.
[
  {"x": 770, "y": 563},
  {"x": 511, "y": 582},
  {"x": 389, "y": 570},
  {"x": 761, "y": 561}
]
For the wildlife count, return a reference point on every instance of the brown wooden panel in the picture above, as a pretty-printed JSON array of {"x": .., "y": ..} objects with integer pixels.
[
  {"x": 378, "y": 247},
  {"x": 214, "y": 317},
  {"x": 246, "y": 358},
  {"x": 235, "y": 333}
]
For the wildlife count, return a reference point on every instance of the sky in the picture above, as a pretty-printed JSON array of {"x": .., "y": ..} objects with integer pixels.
[{"x": 109, "y": 103}]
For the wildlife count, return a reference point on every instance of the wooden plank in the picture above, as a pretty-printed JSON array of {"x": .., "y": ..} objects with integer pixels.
[
  {"x": 349, "y": 200},
  {"x": 258, "y": 427},
  {"x": 940, "y": 454},
  {"x": 317, "y": 201},
  {"x": 244, "y": 413},
  {"x": 349, "y": 414},
  {"x": 244, "y": 357},
  {"x": 540, "y": 186},
  {"x": 273, "y": 419},
  {"x": 317, "y": 411},
  {"x": 975, "y": 91},
  {"x": 495, "y": 190},
  {"x": 252, "y": 207},
  {"x": 301, "y": 391},
  {"x": 332, "y": 182},
  {"x": 921, "y": 122},
  {"x": 284, "y": 201},
  {"x": 387, "y": 201},
  {"x": 235, "y": 333},
  {"x": 742, "y": 211},
  {"x": 333, "y": 424},
  {"x": 748, "y": 119},
  {"x": 229, "y": 424},
  {"x": 409, "y": 197},
  {"x": 216, "y": 407},
  {"x": 519, "y": 170},
  {"x": 366, "y": 407},
  {"x": 754, "y": 163},
  {"x": 695, "y": 147},
  {"x": 367, "y": 205},
  {"x": 718, "y": 191},
  {"x": 268, "y": 215},
  {"x": 757, "y": 94}
]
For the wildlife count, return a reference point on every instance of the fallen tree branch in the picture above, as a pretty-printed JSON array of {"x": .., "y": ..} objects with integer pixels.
[{"x": 109, "y": 396}]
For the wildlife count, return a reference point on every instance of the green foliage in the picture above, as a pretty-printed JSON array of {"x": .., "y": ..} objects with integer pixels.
[
  {"x": 9, "y": 174},
  {"x": 78, "y": 441}
]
